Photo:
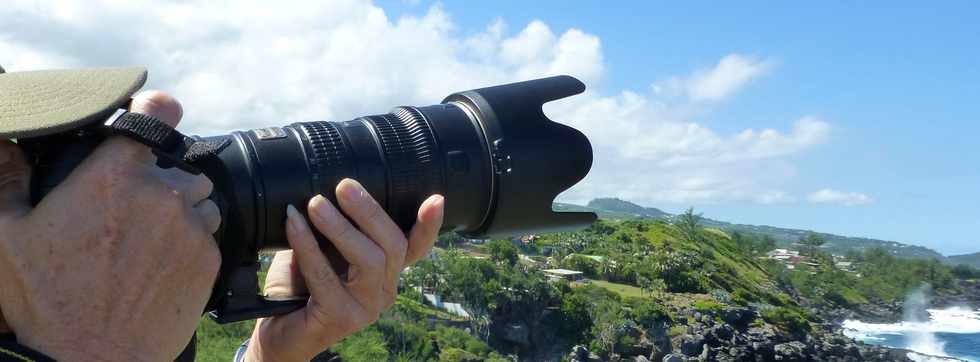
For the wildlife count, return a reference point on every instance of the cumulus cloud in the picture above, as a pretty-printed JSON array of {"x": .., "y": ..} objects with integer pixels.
[
  {"x": 245, "y": 64},
  {"x": 830, "y": 196}
]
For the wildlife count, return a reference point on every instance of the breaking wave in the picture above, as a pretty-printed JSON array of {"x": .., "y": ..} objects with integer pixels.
[{"x": 932, "y": 337}]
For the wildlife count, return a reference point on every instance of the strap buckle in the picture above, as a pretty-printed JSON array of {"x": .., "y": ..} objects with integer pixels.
[{"x": 169, "y": 145}]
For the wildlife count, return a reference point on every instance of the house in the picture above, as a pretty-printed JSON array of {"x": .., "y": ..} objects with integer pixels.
[
  {"x": 452, "y": 308},
  {"x": 845, "y": 265},
  {"x": 563, "y": 274},
  {"x": 789, "y": 257},
  {"x": 783, "y": 254}
]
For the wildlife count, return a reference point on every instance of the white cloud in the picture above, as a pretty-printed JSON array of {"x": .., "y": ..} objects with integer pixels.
[
  {"x": 245, "y": 64},
  {"x": 732, "y": 72},
  {"x": 829, "y": 196}
]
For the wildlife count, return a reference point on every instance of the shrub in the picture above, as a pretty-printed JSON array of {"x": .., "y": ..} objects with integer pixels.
[
  {"x": 647, "y": 313},
  {"x": 788, "y": 319},
  {"x": 457, "y": 355},
  {"x": 676, "y": 331},
  {"x": 708, "y": 306}
]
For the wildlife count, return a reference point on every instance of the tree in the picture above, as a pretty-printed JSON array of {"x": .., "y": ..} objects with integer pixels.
[
  {"x": 744, "y": 244},
  {"x": 689, "y": 224},
  {"x": 812, "y": 241},
  {"x": 503, "y": 251}
]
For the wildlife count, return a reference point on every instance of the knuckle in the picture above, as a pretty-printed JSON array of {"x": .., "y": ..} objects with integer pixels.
[
  {"x": 400, "y": 246},
  {"x": 345, "y": 231},
  {"x": 375, "y": 258},
  {"x": 377, "y": 215},
  {"x": 324, "y": 274}
]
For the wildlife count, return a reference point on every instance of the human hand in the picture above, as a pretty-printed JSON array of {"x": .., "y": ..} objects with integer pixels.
[
  {"x": 118, "y": 261},
  {"x": 337, "y": 308}
]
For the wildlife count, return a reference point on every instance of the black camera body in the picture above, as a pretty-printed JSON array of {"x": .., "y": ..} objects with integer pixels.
[{"x": 492, "y": 152}]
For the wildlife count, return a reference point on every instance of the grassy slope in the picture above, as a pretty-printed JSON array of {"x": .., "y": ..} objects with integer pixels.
[
  {"x": 732, "y": 270},
  {"x": 623, "y": 290}
]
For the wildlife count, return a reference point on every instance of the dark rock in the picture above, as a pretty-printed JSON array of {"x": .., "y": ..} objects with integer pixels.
[
  {"x": 791, "y": 351},
  {"x": 719, "y": 335},
  {"x": 738, "y": 317},
  {"x": 581, "y": 354},
  {"x": 516, "y": 333},
  {"x": 641, "y": 348},
  {"x": 691, "y": 344}
]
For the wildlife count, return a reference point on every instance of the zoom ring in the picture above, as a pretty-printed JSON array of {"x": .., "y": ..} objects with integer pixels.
[
  {"x": 410, "y": 150},
  {"x": 328, "y": 161}
]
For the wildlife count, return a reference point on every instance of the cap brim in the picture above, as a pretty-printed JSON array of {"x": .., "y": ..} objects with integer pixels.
[{"x": 39, "y": 103}]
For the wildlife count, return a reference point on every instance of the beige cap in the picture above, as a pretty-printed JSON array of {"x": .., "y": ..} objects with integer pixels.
[{"x": 39, "y": 103}]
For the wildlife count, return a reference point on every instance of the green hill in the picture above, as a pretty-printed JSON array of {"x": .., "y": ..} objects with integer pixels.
[
  {"x": 627, "y": 207},
  {"x": 616, "y": 209}
]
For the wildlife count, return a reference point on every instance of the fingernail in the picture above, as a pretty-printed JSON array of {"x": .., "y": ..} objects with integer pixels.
[
  {"x": 292, "y": 218},
  {"x": 322, "y": 209},
  {"x": 351, "y": 190},
  {"x": 438, "y": 201}
]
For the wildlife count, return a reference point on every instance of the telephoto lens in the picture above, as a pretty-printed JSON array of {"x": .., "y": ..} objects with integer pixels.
[{"x": 492, "y": 152}]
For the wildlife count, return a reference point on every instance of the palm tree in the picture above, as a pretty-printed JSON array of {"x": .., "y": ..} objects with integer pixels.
[{"x": 689, "y": 224}]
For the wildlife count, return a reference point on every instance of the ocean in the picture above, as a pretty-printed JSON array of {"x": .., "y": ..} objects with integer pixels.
[{"x": 950, "y": 332}]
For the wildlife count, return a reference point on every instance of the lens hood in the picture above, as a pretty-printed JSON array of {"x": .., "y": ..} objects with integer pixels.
[{"x": 534, "y": 158}]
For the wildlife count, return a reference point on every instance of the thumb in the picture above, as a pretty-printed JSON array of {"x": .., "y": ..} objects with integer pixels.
[
  {"x": 151, "y": 103},
  {"x": 15, "y": 181}
]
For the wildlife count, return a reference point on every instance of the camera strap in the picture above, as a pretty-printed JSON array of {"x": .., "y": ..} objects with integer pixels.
[{"x": 173, "y": 149}]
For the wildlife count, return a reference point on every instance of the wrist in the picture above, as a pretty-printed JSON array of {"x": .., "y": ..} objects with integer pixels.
[
  {"x": 92, "y": 349},
  {"x": 265, "y": 344}
]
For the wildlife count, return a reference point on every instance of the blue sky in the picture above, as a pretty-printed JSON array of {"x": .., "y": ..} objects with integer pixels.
[
  {"x": 843, "y": 117},
  {"x": 900, "y": 85}
]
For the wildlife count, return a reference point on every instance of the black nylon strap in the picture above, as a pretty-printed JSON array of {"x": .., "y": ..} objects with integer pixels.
[
  {"x": 173, "y": 148},
  {"x": 10, "y": 350}
]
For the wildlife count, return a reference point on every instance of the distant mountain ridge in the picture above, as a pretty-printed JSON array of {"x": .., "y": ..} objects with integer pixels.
[
  {"x": 617, "y": 209},
  {"x": 609, "y": 203},
  {"x": 966, "y": 259}
]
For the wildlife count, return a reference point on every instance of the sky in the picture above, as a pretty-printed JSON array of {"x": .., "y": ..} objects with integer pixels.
[{"x": 841, "y": 117}]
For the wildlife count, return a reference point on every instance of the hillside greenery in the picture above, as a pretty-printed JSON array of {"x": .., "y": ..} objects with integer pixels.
[
  {"x": 616, "y": 209},
  {"x": 641, "y": 273}
]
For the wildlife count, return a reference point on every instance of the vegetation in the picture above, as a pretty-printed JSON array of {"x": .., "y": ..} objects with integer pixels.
[
  {"x": 644, "y": 273},
  {"x": 879, "y": 276},
  {"x": 792, "y": 320},
  {"x": 812, "y": 242}
]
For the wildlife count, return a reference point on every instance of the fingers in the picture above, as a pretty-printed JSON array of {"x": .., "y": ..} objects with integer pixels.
[
  {"x": 426, "y": 229},
  {"x": 152, "y": 103},
  {"x": 322, "y": 281},
  {"x": 193, "y": 188},
  {"x": 15, "y": 180},
  {"x": 367, "y": 260},
  {"x": 375, "y": 222},
  {"x": 209, "y": 215},
  {"x": 284, "y": 278}
]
